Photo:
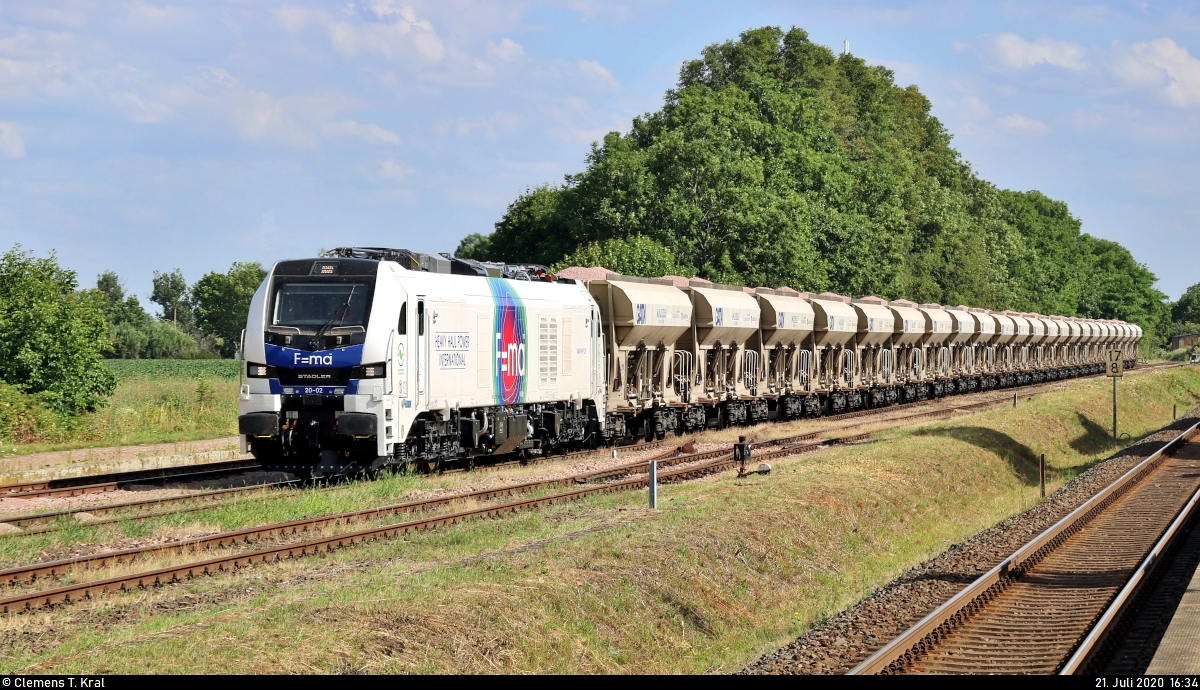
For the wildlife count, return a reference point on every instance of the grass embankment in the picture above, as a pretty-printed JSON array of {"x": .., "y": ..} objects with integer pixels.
[
  {"x": 156, "y": 401},
  {"x": 727, "y": 570}
]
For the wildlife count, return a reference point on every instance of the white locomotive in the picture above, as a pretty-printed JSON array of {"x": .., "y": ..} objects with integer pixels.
[{"x": 372, "y": 357}]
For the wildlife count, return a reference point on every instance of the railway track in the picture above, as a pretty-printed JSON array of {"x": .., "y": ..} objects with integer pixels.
[
  {"x": 39, "y": 523},
  {"x": 101, "y": 483},
  {"x": 77, "y": 486},
  {"x": 1050, "y": 606},
  {"x": 679, "y": 466}
]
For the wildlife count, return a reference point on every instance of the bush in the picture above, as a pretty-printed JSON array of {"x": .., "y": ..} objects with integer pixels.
[
  {"x": 51, "y": 336},
  {"x": 635, "y": 256},
  {"x": 154, "y": 339},
  {"x": 23, "y": 419}
]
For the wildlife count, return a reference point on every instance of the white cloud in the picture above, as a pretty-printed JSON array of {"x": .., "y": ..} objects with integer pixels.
[
  {"x": 599, "y": 74},
  {"x": 1017, "y": 53},
  {"x": 1163, "y": 65},
  {"x": 387, "y": 39},
  {"x": 367, "y": 131},
  {"x": 1019, "y": 124},
  {"x": 507, "y": 50},
  {"x": 141, "y": 109},
  {"x": 143, "y": 15},
  {"x": 11, "y": 143},
  {"x": 54, "y": 15},
  {"x": 600, "y": 11},
  {"x": 901, "y": 71},
  {"x": 294, "y": 18},
  {"x": 259, "y": 115},
  {"x": 974, "y": 108},
  {"x": 393, "y": 170},
  {"x": 1083, "y": 119},
  {"x": 498, "y": 122}
]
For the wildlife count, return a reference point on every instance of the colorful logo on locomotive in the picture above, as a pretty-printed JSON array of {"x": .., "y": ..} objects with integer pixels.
[{"x": 508, "y": 366}]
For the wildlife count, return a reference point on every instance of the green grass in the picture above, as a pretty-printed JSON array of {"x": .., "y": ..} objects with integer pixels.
[
  {"x": 149, "y": 408},
  {"x": 727, "y": 570},
  {"x": 175, "y": 368}
]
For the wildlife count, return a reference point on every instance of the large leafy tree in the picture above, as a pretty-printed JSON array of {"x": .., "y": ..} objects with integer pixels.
[
  {"x": 1187, "y": 309},
  {"x": 775, "y": 162},
  {"x": 171, "y": 294},
  {"x": 1116, "y": 286},
  {"x": 222, "y": 301},
  {"x": 51, "y": 335}
]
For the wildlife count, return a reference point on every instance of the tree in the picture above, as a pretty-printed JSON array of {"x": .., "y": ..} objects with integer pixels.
[
  {"x": 635, "y": 256},
  {"x": 172, "y": 296},
  {"x": 473, "y": 246},
  {"x": 1187, "y": 309},
  {"x": 222, "y": 301},
  {"x": 1118, "y": 287},
  {"x": 51, "y": 336},
  {"x": 775, "y": 162}
]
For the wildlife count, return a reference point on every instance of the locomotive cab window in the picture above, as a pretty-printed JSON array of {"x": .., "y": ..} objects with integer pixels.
[
  {"x": 402, "y": 324},
  {"x": 313, "y": 305},
  {"x": 420, "y": 318}
]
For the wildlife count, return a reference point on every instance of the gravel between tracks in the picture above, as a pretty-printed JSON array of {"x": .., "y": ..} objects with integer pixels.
[{"x": 845, "y": 640}]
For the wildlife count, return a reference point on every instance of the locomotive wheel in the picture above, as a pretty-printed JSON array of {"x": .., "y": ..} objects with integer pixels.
[{"x": 429, "y": 466}]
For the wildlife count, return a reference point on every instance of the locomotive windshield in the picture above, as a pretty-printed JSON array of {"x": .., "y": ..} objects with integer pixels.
[{"x": 320, "y": 305}]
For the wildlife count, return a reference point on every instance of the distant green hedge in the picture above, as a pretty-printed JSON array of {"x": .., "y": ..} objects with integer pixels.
[{"x": 175, "y": 368}]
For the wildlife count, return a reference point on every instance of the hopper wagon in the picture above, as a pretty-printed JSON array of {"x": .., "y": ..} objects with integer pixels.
[{"x": 371, "y": 357}]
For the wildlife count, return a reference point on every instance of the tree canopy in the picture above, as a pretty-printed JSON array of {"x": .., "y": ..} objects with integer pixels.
[
  {"x": 222, "y": 301},
  {"x": 633, "y": 256},
  {"x": 775, "y": 162},
  {"x": 51, "y": 335}
]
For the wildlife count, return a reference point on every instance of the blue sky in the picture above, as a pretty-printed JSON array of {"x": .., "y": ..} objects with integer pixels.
[{"x": 147, "y": 135}]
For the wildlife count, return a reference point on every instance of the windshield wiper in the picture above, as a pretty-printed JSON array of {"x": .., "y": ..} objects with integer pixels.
[{"x": 338, "y": 315}]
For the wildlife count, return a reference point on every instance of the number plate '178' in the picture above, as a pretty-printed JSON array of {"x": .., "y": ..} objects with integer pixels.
[{"x": 1116, "y": 364}]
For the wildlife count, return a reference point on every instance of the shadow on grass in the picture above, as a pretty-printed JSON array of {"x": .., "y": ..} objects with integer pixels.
[
  {"x": 1095, "y": 438},
  {"x": 1020, "y": 457}
]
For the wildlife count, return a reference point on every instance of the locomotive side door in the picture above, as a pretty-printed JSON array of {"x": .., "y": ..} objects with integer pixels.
[
  {"x": 597, "y": 351},
  {"x": 422, "y": 354}
]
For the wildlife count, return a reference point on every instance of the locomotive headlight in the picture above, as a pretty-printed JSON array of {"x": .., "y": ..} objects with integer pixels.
[
  {"x": 259, "y": 371},
  {"x": 370, "y": 371}
]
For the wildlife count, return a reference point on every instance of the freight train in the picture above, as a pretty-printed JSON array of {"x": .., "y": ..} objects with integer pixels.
[{"x": 369, "y": 357}]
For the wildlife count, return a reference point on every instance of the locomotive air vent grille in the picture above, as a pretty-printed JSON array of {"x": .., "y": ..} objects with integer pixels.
[{"x": 548, "y": 351}]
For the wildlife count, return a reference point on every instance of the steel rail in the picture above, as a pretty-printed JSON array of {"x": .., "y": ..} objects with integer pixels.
[
  {"x": 205, "y": 499},
  {"x": 942, "y": 620},
  {"x": 76, "y": 486},
  {"x": 22, "y": 520},
  {"x": 57, "y": 567},
  {"x": 33, "y": 518},
  {"x": 1094, "y": 642},
  {"x": 75, "y": 592}
]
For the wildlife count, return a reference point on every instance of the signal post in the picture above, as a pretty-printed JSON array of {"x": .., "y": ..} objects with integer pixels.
[{"x": 1115, "y": 370}]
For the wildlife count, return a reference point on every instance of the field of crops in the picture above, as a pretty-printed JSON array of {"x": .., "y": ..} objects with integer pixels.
[{"x": 175, "y": 368}]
